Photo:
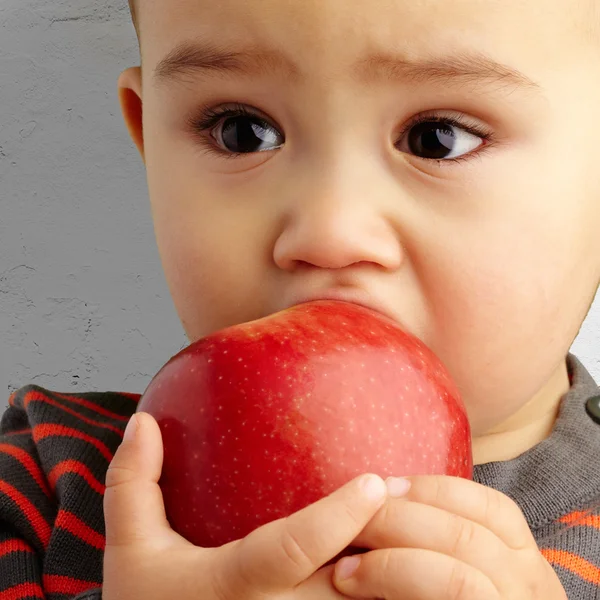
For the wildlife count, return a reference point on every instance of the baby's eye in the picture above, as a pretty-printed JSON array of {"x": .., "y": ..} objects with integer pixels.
[
  {"x": 245, "y": 134},
  {"x": 238, "y": 130},
  {"x": 440, "y": 139}
]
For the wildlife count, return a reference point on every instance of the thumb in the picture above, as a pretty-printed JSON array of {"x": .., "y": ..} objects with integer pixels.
[{"x": 134, "y": 509}]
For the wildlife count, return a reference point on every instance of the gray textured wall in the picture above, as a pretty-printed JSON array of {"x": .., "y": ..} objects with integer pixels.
[{"x": 83, "y": 302}]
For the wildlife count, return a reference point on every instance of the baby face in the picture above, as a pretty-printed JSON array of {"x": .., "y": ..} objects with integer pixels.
[{"x": 435, "y": 160}]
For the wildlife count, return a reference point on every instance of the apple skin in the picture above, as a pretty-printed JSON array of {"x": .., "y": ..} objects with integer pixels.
[{"x": 261, "y": 419}]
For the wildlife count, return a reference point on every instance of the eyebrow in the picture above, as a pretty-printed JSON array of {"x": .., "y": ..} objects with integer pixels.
[{"x": 465, "y": 67}]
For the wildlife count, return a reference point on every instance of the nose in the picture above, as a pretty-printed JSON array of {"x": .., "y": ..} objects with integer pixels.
[{"x": 337, "y": 227}]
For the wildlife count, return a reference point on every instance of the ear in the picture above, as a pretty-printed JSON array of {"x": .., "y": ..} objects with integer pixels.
[{"x": 130, "y": 98}]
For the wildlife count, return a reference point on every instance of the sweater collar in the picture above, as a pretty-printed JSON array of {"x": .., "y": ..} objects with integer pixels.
[{"x": 560, "y": 474}]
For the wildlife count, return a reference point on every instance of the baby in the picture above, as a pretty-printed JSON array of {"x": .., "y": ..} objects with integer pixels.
[{"x": 433, "y": 160}]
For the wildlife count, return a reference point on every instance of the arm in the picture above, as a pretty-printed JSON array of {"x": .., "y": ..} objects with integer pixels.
[{"x": 54, "y": 452}]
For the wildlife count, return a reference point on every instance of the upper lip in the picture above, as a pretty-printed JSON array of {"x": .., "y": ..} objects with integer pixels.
[{"x": 352, "y": 295}]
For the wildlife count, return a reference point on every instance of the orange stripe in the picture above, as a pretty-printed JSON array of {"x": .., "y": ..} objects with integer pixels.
[
  {"x": 92, "y": 406},
  {"x": 33, "y": 515},
  {"x": 23, "y": 590},
  {"x": 35, "y": 396},
  {"x": 19, "y": 432},
  {"x": 573, "y": 563},
  {"x": 69, "y": 522},
  {"x": 49, "y": 429},
  {"x": 59, "y": 584},
  {"x": 74, "y": 466},
  {"x": 27, "y": 461},
  {"x": 581, "y": 518},
  {"x": 14, "y": 545}
]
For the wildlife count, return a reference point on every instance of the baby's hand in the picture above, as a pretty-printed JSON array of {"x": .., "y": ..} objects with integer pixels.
[
  {"x": 449, "y": 538},
  {"x": 283, "y": 560}
]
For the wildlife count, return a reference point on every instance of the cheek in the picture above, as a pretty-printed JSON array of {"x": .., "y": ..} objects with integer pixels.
[
  {"x": 214, "y": 269},
  {"x": 509, "y": 277},
  {"x": 212, "y": 285},
  {"x": 211, "y": 238},
  {"x": 503, "y": 317}
]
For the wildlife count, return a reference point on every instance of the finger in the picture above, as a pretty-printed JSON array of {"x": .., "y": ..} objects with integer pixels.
[
  {"x": 319, "y": 586},
  {"x": 284, "y": 553},
  {"x": 484, "y": 505},
  {"x": 407, "y": 574},
  {"x": 406, "y": 524},
  {"x": 134, "y": 510}
]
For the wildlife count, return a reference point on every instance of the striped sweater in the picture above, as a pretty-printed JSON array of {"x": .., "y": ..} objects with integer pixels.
[{"x": 55, "y": 449}]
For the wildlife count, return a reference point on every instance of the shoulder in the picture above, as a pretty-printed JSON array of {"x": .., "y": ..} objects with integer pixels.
[
  {"x": 55, "y": 448},
  {"x": 31, "y": 404},
  {"x": 52, "y": 442},
  {"x": 62, "y": 423},
  {"x": 108, "y": 403}
]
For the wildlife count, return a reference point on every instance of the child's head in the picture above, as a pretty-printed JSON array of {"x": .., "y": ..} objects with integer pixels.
[{"x": 438, "y": 158}]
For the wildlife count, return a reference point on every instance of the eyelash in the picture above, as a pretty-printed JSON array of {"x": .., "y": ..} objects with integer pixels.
[{"x": 209, "y": 118}]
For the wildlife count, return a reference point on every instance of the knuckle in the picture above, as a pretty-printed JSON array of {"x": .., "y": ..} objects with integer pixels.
[
  {"x": 438, "y": 489},
  {"x": 491, "y": 506},
  {"x": 293, "y": 549},
  {"x": 387, "y": 567},
  {"x": 498, "y": 503},
  {"x": 385, "y": 520},
  {"x": 351, "y": 516},
  {"x": 462, "y": 535},
  {"x": 118, "y": 475},
  {"x": 459, "y": 583}
]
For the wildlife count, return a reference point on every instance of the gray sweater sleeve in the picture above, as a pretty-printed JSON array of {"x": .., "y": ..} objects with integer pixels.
[{"x": 95, "y": 594}]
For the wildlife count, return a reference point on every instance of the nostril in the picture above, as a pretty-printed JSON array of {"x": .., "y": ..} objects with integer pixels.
[{"x": 303, "y": 266}]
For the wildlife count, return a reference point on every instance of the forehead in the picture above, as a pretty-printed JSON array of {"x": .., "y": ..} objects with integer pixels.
[{"x": 326, "y": 33}]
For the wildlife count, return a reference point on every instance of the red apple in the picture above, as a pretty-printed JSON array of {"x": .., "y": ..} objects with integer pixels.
[{"x": 261, "y": 419}]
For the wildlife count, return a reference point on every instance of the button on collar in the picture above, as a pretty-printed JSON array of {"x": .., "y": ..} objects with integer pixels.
[{"x": 592, "y": 406}]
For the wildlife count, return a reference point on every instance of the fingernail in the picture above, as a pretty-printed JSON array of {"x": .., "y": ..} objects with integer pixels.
[
  {"x": 130, "y": 430},
  {"x": 397, "y": 486},
  {"x": 373, "y": 487},
  {"x": 346, "y": 567}
]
